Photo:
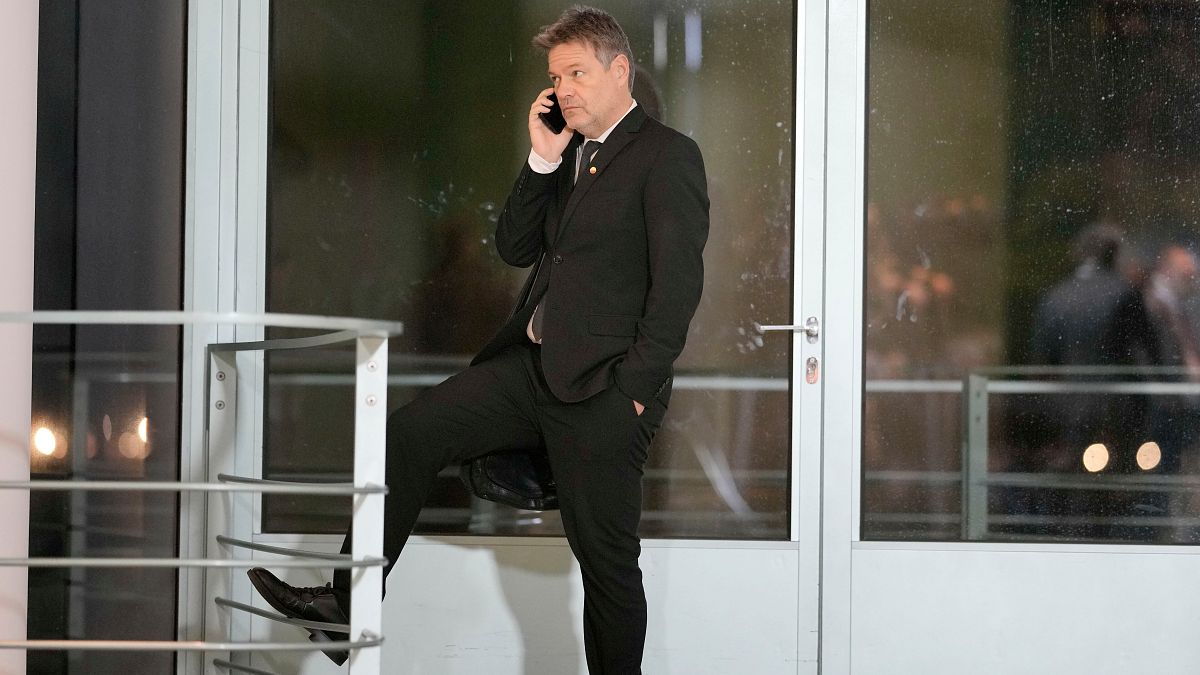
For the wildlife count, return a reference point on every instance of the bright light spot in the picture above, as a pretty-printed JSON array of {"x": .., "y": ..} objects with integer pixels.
[
  {"x": 106, "y": 427},
  {"x": 44, "y": 441},
  {"x": 130, "y": 446},
  {"x": 692, "y": 37},
  {"x": 1149, "y": 455},
  {"x": 142, "y": 427},
  {"x": 660, "y": 41},
  {"x": 1095, "y": 458}
]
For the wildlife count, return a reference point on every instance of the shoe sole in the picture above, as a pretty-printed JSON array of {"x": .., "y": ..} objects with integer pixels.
[
  {"x": 314, "y": 634},
  {"x": 338, "y": 657}
]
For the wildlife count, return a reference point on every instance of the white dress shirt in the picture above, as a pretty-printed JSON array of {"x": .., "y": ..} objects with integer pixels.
[{"x": 540, "y": 165}]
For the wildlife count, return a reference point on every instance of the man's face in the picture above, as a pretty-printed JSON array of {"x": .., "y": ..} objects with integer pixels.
[
  {"x": 1179, "y": 270},
  {"x": 592, "y": 97}
]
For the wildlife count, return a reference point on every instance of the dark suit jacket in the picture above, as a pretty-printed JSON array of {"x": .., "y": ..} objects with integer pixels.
[
  {"x": 617, "y": 260},
  {"x": 1093, "y": 318}
]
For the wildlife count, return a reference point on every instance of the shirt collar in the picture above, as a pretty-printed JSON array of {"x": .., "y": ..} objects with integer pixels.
[{"x": 604, "y": 136}]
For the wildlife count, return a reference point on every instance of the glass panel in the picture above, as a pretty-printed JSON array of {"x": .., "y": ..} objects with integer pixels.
[
  {"x": 397, "y": 130},
  {"x": 109, "y": 235},
  {"x": 1031, "y": 359}
]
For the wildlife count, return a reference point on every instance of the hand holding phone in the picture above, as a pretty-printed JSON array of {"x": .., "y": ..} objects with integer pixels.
[
  {"x": 554, "y": 119},
  {"x": 548, "y": 130}
]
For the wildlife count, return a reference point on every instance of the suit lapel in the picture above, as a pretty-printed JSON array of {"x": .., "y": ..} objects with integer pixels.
[
  {"x": 621, "y": 136},
  {"x": 565, "y": 174}
]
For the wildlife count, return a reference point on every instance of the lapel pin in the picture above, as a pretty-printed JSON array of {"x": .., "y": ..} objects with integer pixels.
[{"x": 592, "y": 171}]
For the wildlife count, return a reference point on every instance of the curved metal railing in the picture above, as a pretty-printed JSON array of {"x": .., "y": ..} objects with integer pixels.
[{"x": 221, "y": 425}]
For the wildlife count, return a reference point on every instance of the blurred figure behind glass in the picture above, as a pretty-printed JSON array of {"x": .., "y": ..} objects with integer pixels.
[
  {"x": 1094, "y": 317},
  {"x": 1175, "y": 419}
]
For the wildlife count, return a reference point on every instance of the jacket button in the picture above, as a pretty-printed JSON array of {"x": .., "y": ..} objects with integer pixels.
[{"x": 557, "y": 259}]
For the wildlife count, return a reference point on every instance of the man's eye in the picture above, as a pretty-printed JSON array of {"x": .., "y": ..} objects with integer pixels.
[{"x": 577, "y": 73}]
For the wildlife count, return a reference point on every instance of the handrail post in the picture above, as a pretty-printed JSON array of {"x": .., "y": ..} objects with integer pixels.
[
  {"x": 220, "y": 424},
  {"x": 975, "y": 459},
  {"x": 370, "y": 438}
]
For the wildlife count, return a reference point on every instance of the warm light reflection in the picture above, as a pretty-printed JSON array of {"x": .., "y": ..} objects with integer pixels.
[
  {"x": 1149, "y": 455},
  {"x": 44, "y": 441},
  {"x": 1095, "y": 457},
  {"x": 130, "y": 446},
  {"x": 142, "y": 428}
]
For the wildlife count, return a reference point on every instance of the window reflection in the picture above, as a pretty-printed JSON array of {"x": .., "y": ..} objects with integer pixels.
[
  {"x": 1032, "y": 362},
  {"x": 108, "y": 236},
  {"x": 396, "y": 132}
]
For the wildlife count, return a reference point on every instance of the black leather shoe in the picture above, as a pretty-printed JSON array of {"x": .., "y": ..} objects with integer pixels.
[{"x": 314, "y": 603}]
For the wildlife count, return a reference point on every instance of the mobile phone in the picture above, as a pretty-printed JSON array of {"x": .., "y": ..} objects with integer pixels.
[{"x": 554, "y": 119}]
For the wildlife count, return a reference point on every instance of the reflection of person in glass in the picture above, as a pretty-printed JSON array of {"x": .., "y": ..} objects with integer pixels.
[
  {"x": 1171, "y": 286},
  {"x": 1095, "y": 317},
  {"x": 1175, "y": 420},
  {"x": 612, "y": 213}
]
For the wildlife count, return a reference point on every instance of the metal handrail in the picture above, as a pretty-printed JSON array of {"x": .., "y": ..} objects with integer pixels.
[
  {"x": 1082, "y": 370},
  {"x": 181, "y": 563},
  {"x": 268, "y": 487},
  {"x": 284, "y": 344},
  {"x": 368, "y": 640},
  {"x": 303, "y": 623},
  {"x": 1099, "y": 482},
  {"x": 266, "y": 548},
  {"x": 164, "y": 318},
  {"x": 371, "y": 338},
  {"x": 979, "y": 385},
  {"x": 369, "y": 489}
]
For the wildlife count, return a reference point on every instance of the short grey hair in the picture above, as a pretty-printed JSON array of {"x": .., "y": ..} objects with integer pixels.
[{"x": 594, "y": 27}]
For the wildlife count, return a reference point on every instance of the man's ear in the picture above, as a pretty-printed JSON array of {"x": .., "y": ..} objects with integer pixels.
[{"x": 621, "y": 61}]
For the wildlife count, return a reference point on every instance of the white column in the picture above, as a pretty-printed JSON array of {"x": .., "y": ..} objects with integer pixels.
[{"x": 18, "y": 136}]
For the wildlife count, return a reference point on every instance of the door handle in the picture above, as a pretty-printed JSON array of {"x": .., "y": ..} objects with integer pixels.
[{"x": 811, "y": 329}]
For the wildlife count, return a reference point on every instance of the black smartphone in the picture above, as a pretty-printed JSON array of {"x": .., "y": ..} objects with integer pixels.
[{"x": 554, "y": 119}]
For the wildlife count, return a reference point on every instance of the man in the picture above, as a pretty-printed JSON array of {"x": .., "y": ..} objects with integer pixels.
[
  {"x": 1174, "y": 419},
  {"x": 612, "y": 212},
  {"x": 1094, "y": 317}
]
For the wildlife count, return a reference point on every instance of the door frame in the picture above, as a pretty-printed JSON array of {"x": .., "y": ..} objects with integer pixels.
[
  {"x": 843, "y": 269},
  {"x": 225, "y": 240}
]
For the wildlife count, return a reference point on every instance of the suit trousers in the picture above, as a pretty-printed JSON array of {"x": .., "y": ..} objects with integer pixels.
[{"x": 597, "y": 449}]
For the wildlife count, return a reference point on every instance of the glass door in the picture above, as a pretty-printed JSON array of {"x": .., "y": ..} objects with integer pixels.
[
  {"x": 1011, "y": 273},
  {"x": 395, "y": 132},
  {"x": 392, "y": 136}
]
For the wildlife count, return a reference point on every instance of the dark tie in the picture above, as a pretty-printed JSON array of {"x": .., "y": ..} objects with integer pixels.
[{"x": 585, "y": 158}]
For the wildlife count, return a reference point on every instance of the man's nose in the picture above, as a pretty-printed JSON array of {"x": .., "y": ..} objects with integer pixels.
[{"x": 564, "y": 90}]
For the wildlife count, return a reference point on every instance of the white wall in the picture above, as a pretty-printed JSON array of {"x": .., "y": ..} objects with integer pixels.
[
  {"x": 1014, "y": 610},
  {"x": 513, "y": 606},
  {"x": 18, "y": 136}
]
